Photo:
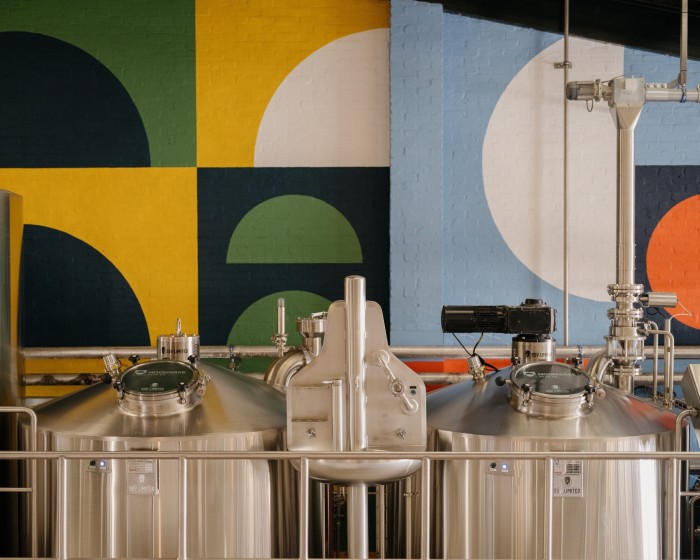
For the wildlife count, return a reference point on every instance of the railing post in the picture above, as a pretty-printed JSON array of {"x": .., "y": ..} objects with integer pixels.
[
  {"x": 304, "y": 509},
  {"x": 182, "y": 545},
  {"x": 425, "y": 509},
  {"x": 61, "y": 514},
  {"x": 548, "y": 507},
  {"x": 672, "y": 501}
]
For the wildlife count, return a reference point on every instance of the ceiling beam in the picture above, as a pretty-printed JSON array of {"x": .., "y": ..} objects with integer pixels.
[{"x": 652, "y": 25}]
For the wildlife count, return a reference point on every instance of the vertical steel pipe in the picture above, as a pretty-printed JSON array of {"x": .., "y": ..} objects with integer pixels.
[
  {"x": 381, "y": 520},
  {"x": 425, "y": 509},
  {"x": 548, "y": 507},
  {"x": 182, "y": 545},
  {"x": 408, "y": 506},
  {"x": 626, "y": 110},
  {"x": 625, "y": 204},
  {"x": 355, "y": 303},
  {"x": 338, "y": 411},
  {"x": 304, "y": 509},
  {"x": 625, "y": 345},
  {"x": 672, "y": 497},
  {"x": 61, "y": 513},
  {"x": 358, "y": 540}
]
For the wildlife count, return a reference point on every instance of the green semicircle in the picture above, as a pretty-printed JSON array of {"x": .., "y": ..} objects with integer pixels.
[
  {"x": 258, "y": 322},
  {"x": 294, "y": 229},
  {"x": 256, "y": 325}
]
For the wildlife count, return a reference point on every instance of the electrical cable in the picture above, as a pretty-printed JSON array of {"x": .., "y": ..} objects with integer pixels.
[{"x": 473, "y": 353}]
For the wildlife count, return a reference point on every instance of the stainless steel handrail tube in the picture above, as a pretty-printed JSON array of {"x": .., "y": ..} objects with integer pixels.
[
  {"x": 304, "y": 509},
  {"x": 182, "y": 543},
  {"x": 381, "y": 520},
  {"x": 669, "y": 358},
  {"x": 673, "y": 459},
  {"x": 404, "y": 352},
  {"x": 673, "y": 504},
  {"x": 425, "y": 508},
  {"x": 548, "y": 507},
  {"x": 655, "y": 363},
  {"x": 408, "y": 503},
  {"x": 32, "y": 469},
  {"x": 691, "y": 528},
  {"x": 61, "y": 514},
  {"x": 357, "y": 456},
  {"x": 678, "y": 441}
]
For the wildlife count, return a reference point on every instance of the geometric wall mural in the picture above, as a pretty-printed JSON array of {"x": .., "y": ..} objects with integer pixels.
[
  {"x": 349, "y": 205},
  {"x": 668, "y": 242},
  {"x": 62, "y": 108},
  {"x": 495, "y": 136},
  {"x": 73, "y": 296},
  {"x": 132, "y": 130},
  {"x": 106, "y": 111},
  {"x": 279, "y": 231}
]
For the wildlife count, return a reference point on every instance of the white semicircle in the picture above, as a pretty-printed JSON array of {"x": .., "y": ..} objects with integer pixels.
[
  {"x": 523, "y": 169},
  {"x": 332, "y": 110}
]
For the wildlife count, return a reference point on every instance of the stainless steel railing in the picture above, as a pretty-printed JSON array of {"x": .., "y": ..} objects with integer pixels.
[
  {"x": 673, "y": 482},
  {"x": 241, "y": 351},
  {"x": 31, "y": 489}
]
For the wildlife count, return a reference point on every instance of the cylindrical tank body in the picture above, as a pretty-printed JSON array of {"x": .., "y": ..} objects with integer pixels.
[
  {"x": 495, "y": 508},
  {"x": 135, "y": 508}
]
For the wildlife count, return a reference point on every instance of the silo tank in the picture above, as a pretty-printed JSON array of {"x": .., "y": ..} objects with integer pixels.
[
  {"x": 130, "y": 508},
  {"x": 495, "y": 508}
]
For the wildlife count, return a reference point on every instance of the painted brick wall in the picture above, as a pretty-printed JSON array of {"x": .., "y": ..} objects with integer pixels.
[
  {"x": 501, "y": 135},
  {"x": 142, "y": 135},
  {"x": 416, "y": 172}
]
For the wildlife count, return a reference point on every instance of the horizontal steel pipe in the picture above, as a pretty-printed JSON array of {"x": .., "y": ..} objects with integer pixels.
[
  {"x": 417, "y": 352},
  {"x": 673, "y": 95},
  {"x": 357, "y": 455}
]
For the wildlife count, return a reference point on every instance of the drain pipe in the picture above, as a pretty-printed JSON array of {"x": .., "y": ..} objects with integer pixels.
[
  {"x": 625, "y": 344},
  {"x": 355, "y": 303},
  {"x": 626, "y": 97}
]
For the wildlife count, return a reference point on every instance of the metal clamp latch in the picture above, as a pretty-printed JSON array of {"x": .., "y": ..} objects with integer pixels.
[{"x": 396, "y": 386}]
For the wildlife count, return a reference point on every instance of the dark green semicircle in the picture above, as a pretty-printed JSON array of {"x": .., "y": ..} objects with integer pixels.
[{"x": 294, "y": 229}]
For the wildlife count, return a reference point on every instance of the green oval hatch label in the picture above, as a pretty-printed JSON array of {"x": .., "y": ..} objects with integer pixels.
[{"x": 157, "y": 377}]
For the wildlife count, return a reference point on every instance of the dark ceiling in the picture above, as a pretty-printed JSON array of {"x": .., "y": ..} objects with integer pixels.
[{"x": 652, "y": 25}]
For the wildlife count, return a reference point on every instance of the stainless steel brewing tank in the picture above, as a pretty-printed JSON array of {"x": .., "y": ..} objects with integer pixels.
[
  {"x": 131, "y": 508},
  {"x": 494, "y": 508}
]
